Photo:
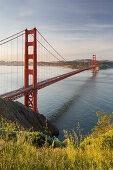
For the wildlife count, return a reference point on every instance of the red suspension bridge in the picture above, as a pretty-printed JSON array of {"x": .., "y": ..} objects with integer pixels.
[{"x": 22, "y": 57}]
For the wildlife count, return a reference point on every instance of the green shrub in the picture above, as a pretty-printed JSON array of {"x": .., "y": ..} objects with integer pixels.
[{"x": 34, "y": 150}]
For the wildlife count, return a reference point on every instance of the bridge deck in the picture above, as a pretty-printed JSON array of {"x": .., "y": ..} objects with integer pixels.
[{"x": 26, "y": 90}]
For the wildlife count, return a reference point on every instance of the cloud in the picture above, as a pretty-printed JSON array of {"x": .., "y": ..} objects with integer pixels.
[
  {"x": 71, "y": 29},
  {"x": 97, "y": 26},
  {"x": 25, "y": 12}
]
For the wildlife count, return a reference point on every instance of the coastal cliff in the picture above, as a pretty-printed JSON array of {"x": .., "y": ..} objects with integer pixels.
[{"x": 26, "y": 118}]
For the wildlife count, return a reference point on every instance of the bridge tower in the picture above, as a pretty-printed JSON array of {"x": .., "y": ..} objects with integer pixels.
[
  {"x": 94, "y": 65},
  {"x": 30, "y": 100}
]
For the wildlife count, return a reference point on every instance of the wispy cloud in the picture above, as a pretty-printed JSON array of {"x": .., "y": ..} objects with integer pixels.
[
  {"x": 98, "y": 26},
  {"x": 25, "y": 12},
  {"x": 74, "y": 27},
  {"x": 67, "y": 28}
]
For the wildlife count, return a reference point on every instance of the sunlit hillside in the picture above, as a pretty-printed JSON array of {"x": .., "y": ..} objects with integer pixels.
[{"x": 34, "y": 150}]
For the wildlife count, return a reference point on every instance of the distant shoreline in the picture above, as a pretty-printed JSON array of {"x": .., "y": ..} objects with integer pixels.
[{"x": 76, "y": 64}]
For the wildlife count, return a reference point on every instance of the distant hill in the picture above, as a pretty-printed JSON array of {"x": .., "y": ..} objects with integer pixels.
[{"x": 75, "y": 64}]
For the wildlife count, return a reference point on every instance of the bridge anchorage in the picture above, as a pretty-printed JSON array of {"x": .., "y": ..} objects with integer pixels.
[{"x": 31, "y": 86}]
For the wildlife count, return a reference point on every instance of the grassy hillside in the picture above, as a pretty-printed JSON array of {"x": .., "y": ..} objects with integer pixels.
[{"x": 34, "y": 150}]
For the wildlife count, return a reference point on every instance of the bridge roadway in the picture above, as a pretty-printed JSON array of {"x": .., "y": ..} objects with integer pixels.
[{"x": 27, "y": 90}]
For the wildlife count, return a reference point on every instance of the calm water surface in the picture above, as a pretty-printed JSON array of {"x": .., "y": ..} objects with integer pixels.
[{"x": 75, "y": 99}]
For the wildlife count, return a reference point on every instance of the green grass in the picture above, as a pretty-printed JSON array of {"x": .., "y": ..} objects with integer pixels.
[{"x": 34, "y": 150}]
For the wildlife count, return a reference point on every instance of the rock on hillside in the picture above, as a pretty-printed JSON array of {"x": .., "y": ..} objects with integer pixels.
[{"x": 25, "y": 117}]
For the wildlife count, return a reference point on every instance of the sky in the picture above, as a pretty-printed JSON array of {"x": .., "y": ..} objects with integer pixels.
[{"x": 76, "y": 28}]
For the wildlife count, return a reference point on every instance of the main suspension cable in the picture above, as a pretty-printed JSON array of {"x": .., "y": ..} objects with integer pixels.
[
  {"x": 12, "y": 36},
  {"x": 12, "y": 39},
  {"x": 47, "y": 49},
  {"x": 51, "y": 45}
]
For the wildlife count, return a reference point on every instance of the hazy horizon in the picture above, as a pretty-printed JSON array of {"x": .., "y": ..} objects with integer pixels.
[{"x": 76, "y": 28}]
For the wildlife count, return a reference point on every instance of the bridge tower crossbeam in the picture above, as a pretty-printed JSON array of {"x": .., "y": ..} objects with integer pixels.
[{"x": 30, "y": 100}]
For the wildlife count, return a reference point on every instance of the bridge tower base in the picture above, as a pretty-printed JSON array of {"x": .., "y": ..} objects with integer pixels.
[{"x": 30, "y": 100}]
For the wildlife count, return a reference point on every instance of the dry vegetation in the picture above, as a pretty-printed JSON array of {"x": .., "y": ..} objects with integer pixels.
[{"x": 34, "y": 150}]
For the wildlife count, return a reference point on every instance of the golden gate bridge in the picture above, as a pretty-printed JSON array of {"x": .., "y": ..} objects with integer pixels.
[{"x": 30, "y": 50}]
